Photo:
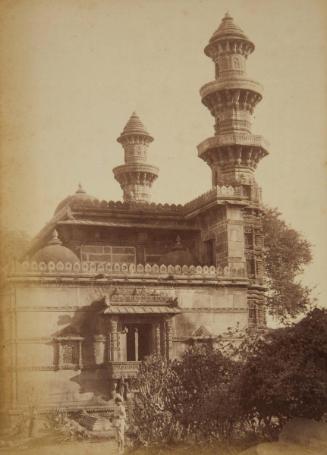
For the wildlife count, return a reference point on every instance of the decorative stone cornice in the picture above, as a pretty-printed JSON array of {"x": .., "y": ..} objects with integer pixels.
[{"x": 101, "y": 270}]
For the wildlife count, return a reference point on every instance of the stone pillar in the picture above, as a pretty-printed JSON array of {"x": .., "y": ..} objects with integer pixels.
[
  {"x": 123, "y": 345},
  {"x": 136, "y": 334},
  {"x": 169, "y": 337},
  {"x": 114, "y": 344},
  {"x": 163, "y": 338},
  {"x": 156, "y": 334},
  {"x": 59, "y": 354},
  {"x": 80, "y": 354},
  {"x": 99, "y": 349}
]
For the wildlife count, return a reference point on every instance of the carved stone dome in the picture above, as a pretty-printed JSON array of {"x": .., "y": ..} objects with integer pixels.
[
  {"x": 228, "y": 29},
  {"x": 134, "y": 126},
  {"x": 178, "y": 255},
  {"x": 80, "y": 196},
  {"x": 55, "y": 251}
]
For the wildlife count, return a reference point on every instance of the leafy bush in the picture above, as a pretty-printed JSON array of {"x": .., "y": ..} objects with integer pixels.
[
  {"x": 157, "y": 388},
  {"x": 209, "y": 407},
  {"x": 262, "y": 383},
  {"x": 286, "y": 374},
  {"x": 193, "y": 397}
]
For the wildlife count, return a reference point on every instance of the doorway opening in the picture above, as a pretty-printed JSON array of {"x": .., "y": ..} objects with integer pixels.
[{"x": 139, "y": 342}]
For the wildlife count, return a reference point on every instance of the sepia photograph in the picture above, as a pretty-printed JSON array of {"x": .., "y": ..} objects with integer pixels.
[{"x": 163, "y": 207}]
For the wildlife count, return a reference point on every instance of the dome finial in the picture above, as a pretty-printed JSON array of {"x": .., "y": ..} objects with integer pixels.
[
  {"x": 80, "y": 189},
  {"x": 227, "y": 15},
  {"x": 178, "y": 244},
  {"x": 54, "y": 240}
]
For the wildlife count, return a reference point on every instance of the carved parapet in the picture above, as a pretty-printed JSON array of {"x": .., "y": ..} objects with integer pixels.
[
  {"x": 218, "y": 192},
  {"x": 126, "y": 205},
  {"x": 103, "y": 269},
  {"x": 123, "y": 369}
]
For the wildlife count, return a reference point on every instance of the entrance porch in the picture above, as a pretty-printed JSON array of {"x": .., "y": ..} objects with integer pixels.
[{"x": 136, "y": 332}]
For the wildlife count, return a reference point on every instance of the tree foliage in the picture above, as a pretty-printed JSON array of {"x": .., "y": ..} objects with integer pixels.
[
  {"x": 293, "y": 383},
  {"x": 209, "y": 381},
  {"x": 12, "y": 245},
  {"x": 194, "y": 397},
  {"x": 286, "y": 254},
  {"x": 209, "y": 395},
  {"x": 157, "y": 393}
]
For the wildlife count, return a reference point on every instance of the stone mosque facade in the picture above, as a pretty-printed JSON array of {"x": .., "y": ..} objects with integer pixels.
[{"x": 106, "y": 284}]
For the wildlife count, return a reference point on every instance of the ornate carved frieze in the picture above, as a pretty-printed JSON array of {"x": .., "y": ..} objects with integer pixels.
[
  {"x": 138, "y": 296},
  {"x": 98, "y": 271}
]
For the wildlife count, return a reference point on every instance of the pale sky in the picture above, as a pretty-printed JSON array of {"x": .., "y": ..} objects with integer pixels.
[{"x": 72, "y": 72}]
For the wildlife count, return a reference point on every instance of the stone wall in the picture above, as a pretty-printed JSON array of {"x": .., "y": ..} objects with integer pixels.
[{"x": 48, "y": 318}]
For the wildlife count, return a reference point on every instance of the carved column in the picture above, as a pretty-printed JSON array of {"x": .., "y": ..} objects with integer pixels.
[
  {"x": 136, "y": 334},
  {"x": 163, "y": 338},
  {"x": 59, "y": 354},
  {"x": 156, "y": 338},
  {"x": 169, "y": 337},
  {"x": 99, "y": 349},
  {"x": 114, "y": 345},
  {"x": 80, "y": 354}
]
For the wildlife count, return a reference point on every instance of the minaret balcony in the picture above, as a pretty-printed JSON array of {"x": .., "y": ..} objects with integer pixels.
[
  {"x": 232, "y": 139},
  {"x": 220, "y": 97},
  {"x": 231, "y": 84},
  {"x": 127, "y": 171}
]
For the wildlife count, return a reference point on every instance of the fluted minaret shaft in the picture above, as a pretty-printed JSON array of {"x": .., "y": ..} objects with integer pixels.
[
  {"x": 136, "y": 175},
  {"x": 234, "y": 152}
]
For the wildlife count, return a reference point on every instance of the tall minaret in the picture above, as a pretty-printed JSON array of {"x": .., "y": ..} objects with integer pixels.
[
  {"x": 136, "y": 175},
  {"x": 234, "y": 152}
]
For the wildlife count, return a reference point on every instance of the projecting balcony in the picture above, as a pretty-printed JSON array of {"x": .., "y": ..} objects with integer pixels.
[
  {"x": 228, "y": 84},
  {"x": 241, "y": 139}
]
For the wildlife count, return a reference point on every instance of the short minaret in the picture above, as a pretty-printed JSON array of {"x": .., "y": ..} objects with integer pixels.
[
  {"x": 136, "y": 175},
  {"x": 234, "y": 152}
]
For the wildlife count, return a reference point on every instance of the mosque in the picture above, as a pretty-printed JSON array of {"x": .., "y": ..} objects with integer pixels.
[{"x": 105, "y": 284}]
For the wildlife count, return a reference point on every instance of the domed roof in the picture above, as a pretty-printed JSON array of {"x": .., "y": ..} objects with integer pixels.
[
  {"x": 79, "y": 196},
  {"x": 179, "y": 255},
  {"x": 134, "y": 126},
  {"x": 55, "y": 251},
  {"x": 228, "y": 29}
]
